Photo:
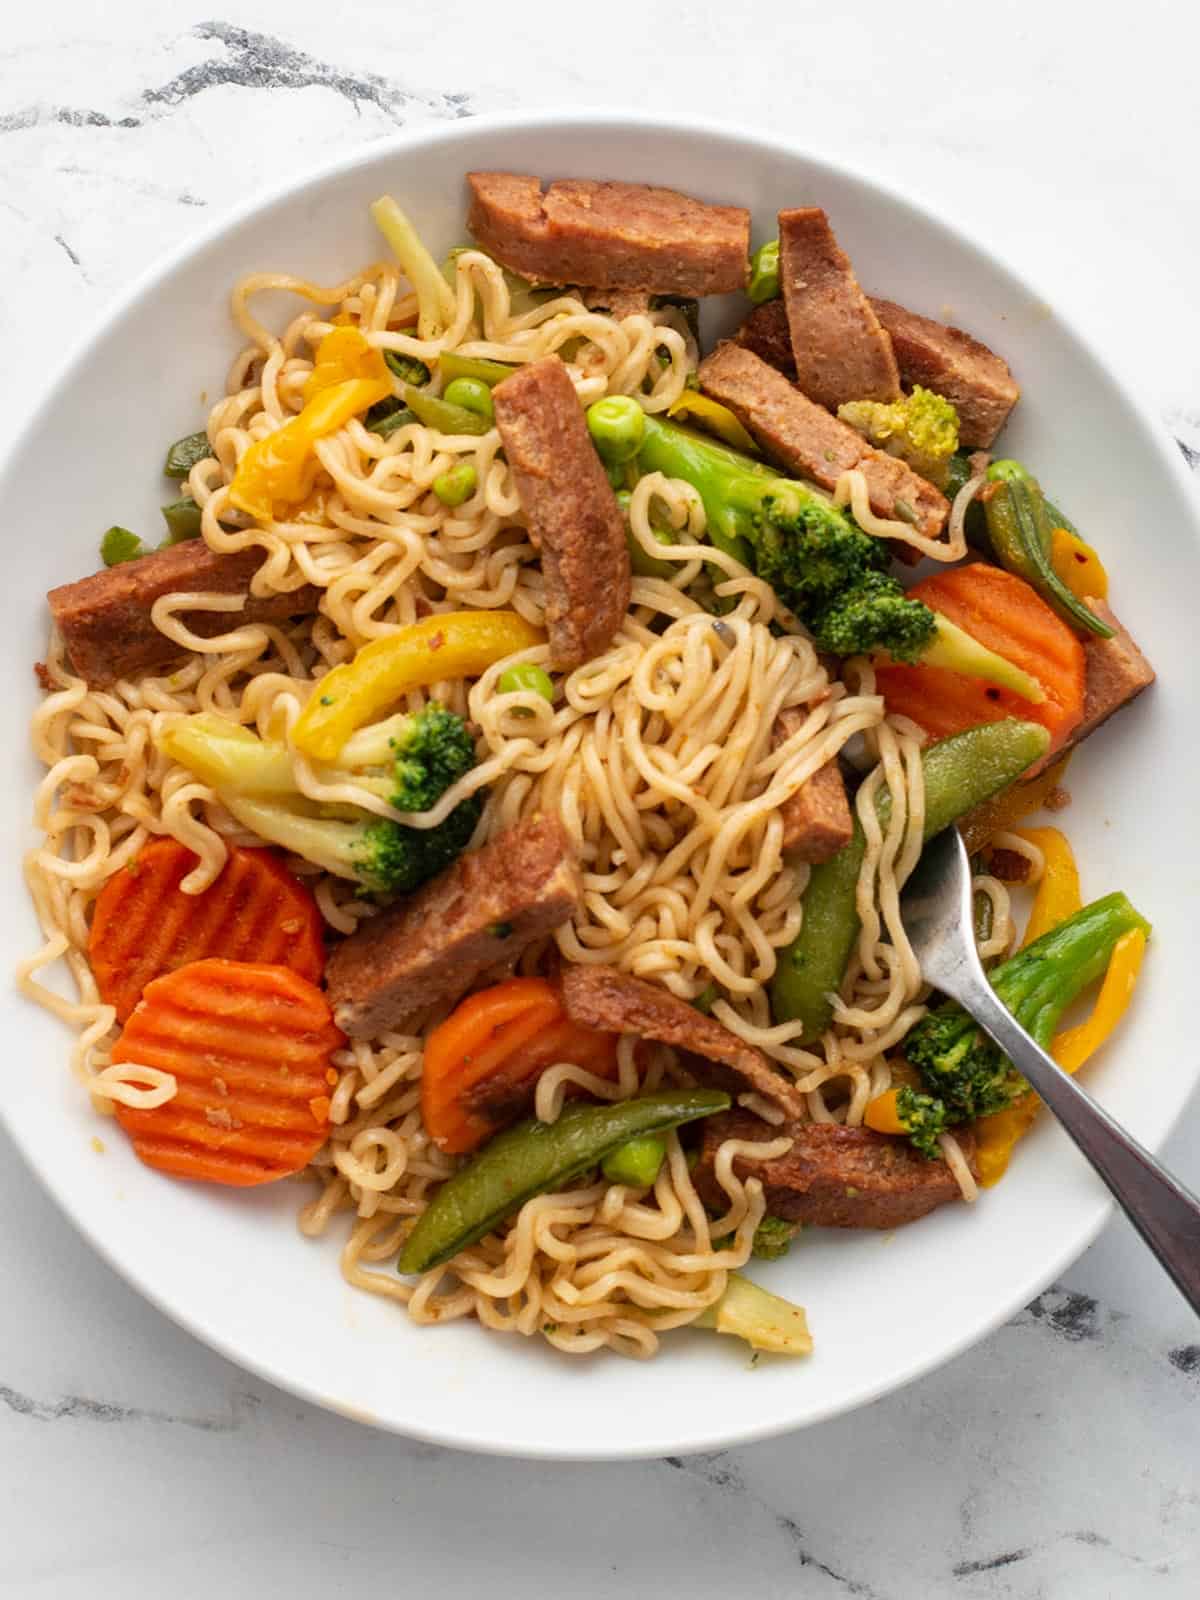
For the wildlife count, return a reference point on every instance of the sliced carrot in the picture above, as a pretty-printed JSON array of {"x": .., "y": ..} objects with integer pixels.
[
  {"x": 144, "y": 924},
  {"x": 1003, "y": 613},
  {"x": 249, "y": 1045},
  {"x": 482, "y": 1062}
]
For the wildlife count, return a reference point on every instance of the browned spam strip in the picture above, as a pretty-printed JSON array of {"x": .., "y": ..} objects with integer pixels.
[
  {"x": 977, "y": 383},
  {"x": 572, "y": 512},
  {"x": 105, "y": 619},
  {"x": 1116, "y": 673},
  {"x": 475, "y": 917},
  {"x": 840, "y": 349},
  {"x": 601, "y": 997},
  {"x": 808, "y": 440},
  {"x": 609, "y": 235},
  {"x": 816, "y": 819},
  {"x": 765, "y": 332},
  {"x": 618, "y": 303},
  {"x": 833, "y": 1177}
]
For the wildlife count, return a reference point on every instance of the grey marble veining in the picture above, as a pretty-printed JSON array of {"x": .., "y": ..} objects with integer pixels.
[{"x": 1060, "y": 1458}]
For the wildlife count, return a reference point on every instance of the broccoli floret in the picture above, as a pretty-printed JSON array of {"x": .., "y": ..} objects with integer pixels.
[
  {"x": 773, "y": 1238},
  {"x": 874, "y": 615},
  {"x": 817, "y": 559},
  {"x": 965, "y": 1074},
  {"x": 409, "y": 761},
  {"x": 921, "y": 428}
]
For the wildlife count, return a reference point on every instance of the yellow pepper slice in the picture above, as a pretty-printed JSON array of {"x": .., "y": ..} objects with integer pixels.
[
  {"x": 1058, "y": 896},
  {"x": 281, "y": 469},
  {"x": 1005, "y": 810},
  {"x": 881, "y": 1114},
  {"x": 1078, "y": 565},
  {"x": 1072, "y": 1047},
  {"x": 998, "y": 1134},
  {"x": 713, "y": 417},
  {"x": 341, "y": 355},
  {"x": 458, "y": 644}
]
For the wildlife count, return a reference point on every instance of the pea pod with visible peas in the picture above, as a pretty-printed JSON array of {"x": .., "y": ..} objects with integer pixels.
[
  {"x": 1020, "y": 526},
  {"x": 961, "y": 772},
  {"x": 452, "y": 365},
  {"x": 535, "y": 1158},
  {"x": 444, "y": 415}
]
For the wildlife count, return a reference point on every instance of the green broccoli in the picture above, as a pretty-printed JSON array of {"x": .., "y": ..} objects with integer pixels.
[
  {"x": 773, "y": 1237},
  {"x": 920, "y": 428},
  {"x": 966, "y": 1076},
  {"x": 819, "y": 562},
  {"x": 408, "y": 761}
]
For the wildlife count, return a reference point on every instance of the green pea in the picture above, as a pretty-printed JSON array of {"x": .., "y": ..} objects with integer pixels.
[
  {"x": 472, "y": 395},
  {"x": 527, "y": 678},
  {"x": 457, "y": 485},
  {"x": 617, "y": 426}
]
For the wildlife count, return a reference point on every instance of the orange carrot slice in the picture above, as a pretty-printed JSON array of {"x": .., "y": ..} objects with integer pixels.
[
  {"x": 144, "y": 924},
  {"x": 482, "y": 1062},
  {"x": 249, "y": 1046},
  {"x": 1004, "y": 613}
]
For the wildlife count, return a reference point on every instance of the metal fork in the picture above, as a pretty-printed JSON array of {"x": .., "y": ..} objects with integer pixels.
[{"x": 936, "y": 906}]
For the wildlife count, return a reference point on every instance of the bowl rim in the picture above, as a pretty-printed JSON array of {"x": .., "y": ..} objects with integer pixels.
[{"x": 547, "y": 121}]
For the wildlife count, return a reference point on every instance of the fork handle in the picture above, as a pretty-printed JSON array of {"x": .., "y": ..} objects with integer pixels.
[{"x": 1165, "y": 1213}]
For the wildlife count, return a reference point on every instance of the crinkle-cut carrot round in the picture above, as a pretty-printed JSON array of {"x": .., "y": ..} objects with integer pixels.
[
  {"x": 1005, "y": 614},
  {"x": 249, "y": 1045},
  {"x": 144, "y": 925}
]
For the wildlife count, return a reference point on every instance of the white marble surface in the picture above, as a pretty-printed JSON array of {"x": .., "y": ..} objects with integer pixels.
[{"x": 1061, "y": 1457}]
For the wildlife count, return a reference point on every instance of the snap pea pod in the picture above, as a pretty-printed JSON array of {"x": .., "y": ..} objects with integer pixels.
[
  {"x": 1019, "y": 531},
  {"x": 443, "y": 415},
  {"x": 451, "y": 365},
  {"x": 387, "y": 415},
  {"x": 958, "y": 473},
  {"x": 960, "y": 772},
  {"x": 183, "y": 455},
  {"x": 407, "y": 368},
  {"x": 182, "y": 518},
  {"x": 536, "y": 1157}
]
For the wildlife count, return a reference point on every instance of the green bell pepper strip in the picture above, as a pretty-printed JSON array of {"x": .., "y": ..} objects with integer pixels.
[
  {"x": 451, "y": 365},
  {"x": 118, "y": 545},
  {"x": 535, "y": 1158},
  {"x": 182, "y": 518},
  {"x": 960, "y": 772},
  {"x": 1019, "y": 530},
  {"x": 183, "y": 455}
]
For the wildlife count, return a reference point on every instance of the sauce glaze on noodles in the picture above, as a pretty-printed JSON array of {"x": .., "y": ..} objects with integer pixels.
[{"x": 658, "y": 757}]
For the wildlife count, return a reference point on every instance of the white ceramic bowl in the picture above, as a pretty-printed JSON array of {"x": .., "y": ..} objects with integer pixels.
[{"x": 231, "y": 1267}]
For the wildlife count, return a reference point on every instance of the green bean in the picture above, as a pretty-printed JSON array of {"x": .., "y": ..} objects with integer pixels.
[
  {"x": 960, "y": 772},
  {"x": 451, "y": 365},
  {"x": 183, "y": 455},
  {"x": 617, "y": 426},
  {"x": 1020, "y": 530},
  {"x": 764, "y": 273},
  {"x": 407, "y": 368},
  {"x": 457, "y": 485},
  {"x": 442, "y": 416},
  {"x": 182, "y": 518},
  {"x": 527, "y": 678},
  {"x": 535, "y": 1158},
  {"x": 118, "y": 545},
  {"x": 637, "y": 1162},
  {"x": 472, "y": 394}
]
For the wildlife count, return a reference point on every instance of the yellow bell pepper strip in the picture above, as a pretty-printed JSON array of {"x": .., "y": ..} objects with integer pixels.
[
  {"x": 458, "y": 644},
  {"x": 1058, "y": 895},
  {"x": 882, "y": 1114},
  {"x": 709, "y": 414},
  {"x": 998, "y": 1134},
  {"x": 341, "y": 355},
  {"x": 281, "y": 469},
  {"x": 1078, "y": 565},
  {"x": 1073, "y": 1046}
]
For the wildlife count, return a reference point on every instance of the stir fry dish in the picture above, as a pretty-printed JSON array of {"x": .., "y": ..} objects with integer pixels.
[{"x": 486, "y": 799}]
